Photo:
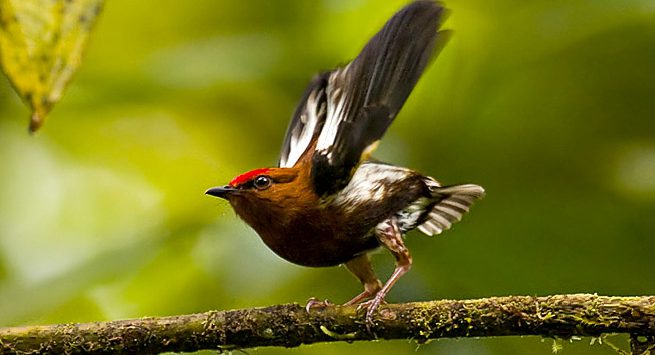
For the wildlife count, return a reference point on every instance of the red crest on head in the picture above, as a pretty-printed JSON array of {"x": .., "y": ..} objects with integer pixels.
[{"x": 247, "y": 176}]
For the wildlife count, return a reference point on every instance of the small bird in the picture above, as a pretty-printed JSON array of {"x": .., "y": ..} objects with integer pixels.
[{"x": 328, "y": 203}]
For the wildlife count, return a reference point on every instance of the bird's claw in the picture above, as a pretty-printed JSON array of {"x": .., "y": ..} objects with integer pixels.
[
  {"x": 371, "y": 307},
  {"x": 315, "y": 303},
  {"x": 367, "y": 304}
]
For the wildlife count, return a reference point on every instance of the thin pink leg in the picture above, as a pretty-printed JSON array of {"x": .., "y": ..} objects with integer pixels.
[
  {"x": 362, "y": 269},
  {"x": 390, "y": 236}
]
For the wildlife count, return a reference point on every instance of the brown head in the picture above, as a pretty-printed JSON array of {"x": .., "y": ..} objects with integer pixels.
[{"x": 268, "y": 197}]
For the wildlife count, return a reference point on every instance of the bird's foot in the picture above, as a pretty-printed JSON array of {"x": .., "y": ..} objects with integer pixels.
[
  {"x": 371, "y": 307},
  {"x": 315, "y": 303}
]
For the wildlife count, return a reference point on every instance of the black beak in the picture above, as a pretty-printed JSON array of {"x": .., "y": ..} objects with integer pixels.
[{"x": 221, "y": 191}]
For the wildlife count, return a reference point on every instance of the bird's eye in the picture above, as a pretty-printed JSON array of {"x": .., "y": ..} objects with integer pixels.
[{"x": 262, "y": 181}]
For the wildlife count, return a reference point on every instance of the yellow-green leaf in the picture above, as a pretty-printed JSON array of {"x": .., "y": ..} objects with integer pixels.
[{"x": 41, "y": 45}]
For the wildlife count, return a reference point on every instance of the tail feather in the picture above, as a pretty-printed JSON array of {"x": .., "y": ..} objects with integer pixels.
[{"x": 457, "y": 199}]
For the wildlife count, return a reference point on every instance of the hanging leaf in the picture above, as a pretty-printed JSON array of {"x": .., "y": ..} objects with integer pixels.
[{"x": 41, "y": 45}]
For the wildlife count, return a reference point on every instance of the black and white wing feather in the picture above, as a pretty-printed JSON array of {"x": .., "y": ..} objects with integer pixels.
[
  {"x": 364, "y": 97},
  {"x": 346, "y": 111},
  {"x": 306, "y": 123},
  {"x": 454, "y": 203}
]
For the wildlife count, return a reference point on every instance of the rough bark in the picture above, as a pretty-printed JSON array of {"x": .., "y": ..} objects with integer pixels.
[{"x": 290, "y": 325}]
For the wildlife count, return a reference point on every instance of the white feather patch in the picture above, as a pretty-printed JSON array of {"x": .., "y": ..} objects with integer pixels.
[
  {"x": 369, "y": 183},
  {"x": 300, "y": 140},
  {"x": 336, "y": 110},
  {"x": 452, "y": 208}
]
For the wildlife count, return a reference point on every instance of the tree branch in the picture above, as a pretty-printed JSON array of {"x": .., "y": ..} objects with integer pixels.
[{"x": 290, "y": 325}]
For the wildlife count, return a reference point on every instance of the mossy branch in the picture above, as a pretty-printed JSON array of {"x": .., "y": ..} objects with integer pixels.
[{"x": 290, "y": 325}]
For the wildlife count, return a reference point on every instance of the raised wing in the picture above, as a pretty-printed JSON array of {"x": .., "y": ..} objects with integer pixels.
[
  {"x": 306, "y": 123},
  {"x": 346, "y": 111}
]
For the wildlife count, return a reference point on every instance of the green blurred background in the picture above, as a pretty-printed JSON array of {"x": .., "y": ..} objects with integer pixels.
[{"x": 548, "y": 104}]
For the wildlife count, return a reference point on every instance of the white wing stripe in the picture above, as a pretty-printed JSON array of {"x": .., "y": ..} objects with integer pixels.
[
  {"x": 435, "y": 228},
  {"x": 299, "y": 141},
  {"x": 455, "y": 204},
  {"x": 449, "y": 212},
  {"x": 445, "y": 223},
  {"x": 336, "y": 104},
  {"x": 423, "y": 228}
]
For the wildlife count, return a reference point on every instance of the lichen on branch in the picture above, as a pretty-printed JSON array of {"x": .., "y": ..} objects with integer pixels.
[{"x": 291, "y": 325}]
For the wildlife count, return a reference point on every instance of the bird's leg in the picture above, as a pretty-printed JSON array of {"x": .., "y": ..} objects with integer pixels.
[
  {"x": 361, "y": 268},
  {"x": 391, "y": 237}
]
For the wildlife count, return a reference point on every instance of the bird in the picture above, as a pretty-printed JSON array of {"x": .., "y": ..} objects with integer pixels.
[{"x": 328, "y": 202}]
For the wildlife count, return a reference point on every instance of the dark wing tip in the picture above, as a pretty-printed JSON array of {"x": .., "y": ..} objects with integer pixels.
[
  {"x": 368, "y": 93},
  {"x": 425, "y": 6}
]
